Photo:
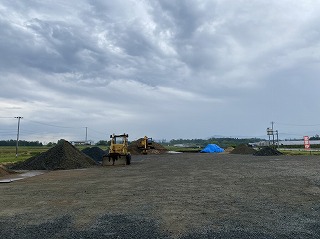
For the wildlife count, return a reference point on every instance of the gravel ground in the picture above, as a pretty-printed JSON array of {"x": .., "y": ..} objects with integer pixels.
[{"x": 169, "y": 196}]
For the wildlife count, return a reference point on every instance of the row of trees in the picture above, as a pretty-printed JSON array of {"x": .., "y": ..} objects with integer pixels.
[
  {"x": 316, "y": 137},
  {"x": 222, "y": 142},
  {"x": 21, "y": 143}
]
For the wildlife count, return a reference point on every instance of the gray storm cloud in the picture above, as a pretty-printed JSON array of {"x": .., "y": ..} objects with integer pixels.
[{"x": 171, "y": 69}]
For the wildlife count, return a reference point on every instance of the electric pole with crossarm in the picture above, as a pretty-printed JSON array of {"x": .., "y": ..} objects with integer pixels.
[{"x": 17, "y": 144}]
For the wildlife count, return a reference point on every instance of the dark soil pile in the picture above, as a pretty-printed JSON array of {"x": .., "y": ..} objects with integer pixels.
[
  {"x": 267, "y": 151},
  {"x": 62, "y": 156},
  {"x": 243, "y": 149},
  {"x": 156, "y": 148},
  {"x": 95, "y": 153}
]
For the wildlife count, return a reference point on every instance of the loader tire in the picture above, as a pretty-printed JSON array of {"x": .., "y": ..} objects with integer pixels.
[{"x": 128, "y": 159}]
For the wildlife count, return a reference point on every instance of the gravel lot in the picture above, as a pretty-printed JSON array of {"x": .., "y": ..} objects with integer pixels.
[{"x": 169, "y": 196}]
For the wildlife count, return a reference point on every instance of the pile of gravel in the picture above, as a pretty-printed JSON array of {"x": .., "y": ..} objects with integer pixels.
[
  {"x": 134, "y": 149},
  {"x": 243, "y": 149},
  {"x": 95, "y": 153},
  {"x": 229, "y": 149},
  {"x": 267, "y": 151},
  {"x": 63, "y": 156}
]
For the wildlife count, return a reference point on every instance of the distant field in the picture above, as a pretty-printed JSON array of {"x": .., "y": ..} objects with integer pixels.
[
  {"x": 300, "y": 151},
  {"x": 8, "y": 153}
]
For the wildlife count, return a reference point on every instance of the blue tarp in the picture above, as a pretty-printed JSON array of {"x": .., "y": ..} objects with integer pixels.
[{"x": 212, "y": 148}]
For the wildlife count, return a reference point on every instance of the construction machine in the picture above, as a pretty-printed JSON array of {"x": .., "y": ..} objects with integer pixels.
[
  {"x": 118, "y": 151},
  {"x": 145, "y": 144}
]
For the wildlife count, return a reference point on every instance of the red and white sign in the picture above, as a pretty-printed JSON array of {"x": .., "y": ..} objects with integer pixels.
[{"x": 306, "y": 142}]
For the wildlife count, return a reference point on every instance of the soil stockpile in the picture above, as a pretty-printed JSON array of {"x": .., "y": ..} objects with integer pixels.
[
  {"x": 243, "y": 149},
  {"x": 155, "y": 149},
  {"x": 95, "y": 153},
  {"x": 267, "y": 151},
  {"x": 229, "y": 149},
  {"x": 62, "y": 156}
]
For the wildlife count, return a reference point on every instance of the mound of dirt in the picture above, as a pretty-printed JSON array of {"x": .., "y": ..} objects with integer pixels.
[
  {"x": 229, "y": 149},
  {"x": 63, "y": 156},
  {"x": 243, "y": 149},
  {"x": 95, "y": 153},
  {"x": 267, "y": 151},
  {"x": 134, "y": 149}
]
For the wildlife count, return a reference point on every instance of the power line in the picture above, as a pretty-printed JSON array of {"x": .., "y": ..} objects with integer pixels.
[
  {"x": 97, "y": 131},
  {"x": 295, "y": 134},
  {"x": 57, "y": 126},
  {"x": 299, "y": 125},
  {"x": 4, "y": 130},
  {"x": 7, "y": 134}
]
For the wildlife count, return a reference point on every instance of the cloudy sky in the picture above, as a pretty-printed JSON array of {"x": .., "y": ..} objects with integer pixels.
[{"x": 167, "y": 69}]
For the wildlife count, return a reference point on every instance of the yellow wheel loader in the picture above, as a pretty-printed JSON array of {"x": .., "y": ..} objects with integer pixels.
[{"x": 118, "y": 152}]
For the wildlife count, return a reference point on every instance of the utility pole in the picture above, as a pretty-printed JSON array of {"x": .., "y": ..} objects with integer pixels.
[
  {"x": 269, "y": 132},
  {"x": 17, "y": 144},
  {"x": 86, "y": 134},
  {"x": 272, "y": 133}
]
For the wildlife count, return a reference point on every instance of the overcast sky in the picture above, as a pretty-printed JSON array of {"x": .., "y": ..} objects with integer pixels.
[{"x": 167, "y": 69}]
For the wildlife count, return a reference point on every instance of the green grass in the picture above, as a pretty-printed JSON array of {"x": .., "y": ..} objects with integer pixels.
[
  {"x": 8, "y": 153},
  {"x": 299, "y": 152}
]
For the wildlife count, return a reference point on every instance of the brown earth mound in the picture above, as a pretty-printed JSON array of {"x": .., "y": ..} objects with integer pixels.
[
  {"x": 229, "y": 149},
  {"x": 95, "y": 153},
  {"x": 243, "y": 149},
  {"x": 155, "y": 149},
  {"x": 62, "y": 156},
  {"x": 267, "y": 151}
]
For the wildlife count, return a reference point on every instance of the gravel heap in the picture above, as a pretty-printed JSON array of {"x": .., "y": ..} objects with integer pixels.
[
  {"x": 229, "y": 149},
  {"x": 267, "y": 151},
  {"x": 95, "y": 153},
  {"x": 243, "y": 149},
  {"x": 62, "y": 156},
  {"x": 133, "y": 148}
]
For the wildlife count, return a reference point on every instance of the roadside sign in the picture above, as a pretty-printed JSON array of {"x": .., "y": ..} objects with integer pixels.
[{"x": 306, "y": 142}]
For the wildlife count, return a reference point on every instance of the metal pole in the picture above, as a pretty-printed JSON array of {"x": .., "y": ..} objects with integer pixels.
[
  {"x": 272, "y": 133},
  {"x": 17, "y": 143},
  {"x": 86, "y": 134}
]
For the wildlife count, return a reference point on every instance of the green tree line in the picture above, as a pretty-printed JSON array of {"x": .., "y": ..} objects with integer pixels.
[
  {"x": 21, "y": 143},
  {"x": 222, "y": 142}
]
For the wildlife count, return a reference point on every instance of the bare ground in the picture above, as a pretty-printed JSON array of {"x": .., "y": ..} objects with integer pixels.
[{"x": 169, "y": 196}]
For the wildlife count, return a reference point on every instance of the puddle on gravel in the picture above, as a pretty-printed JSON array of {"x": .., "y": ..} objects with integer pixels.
[{"x": 19, "y": 176}]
